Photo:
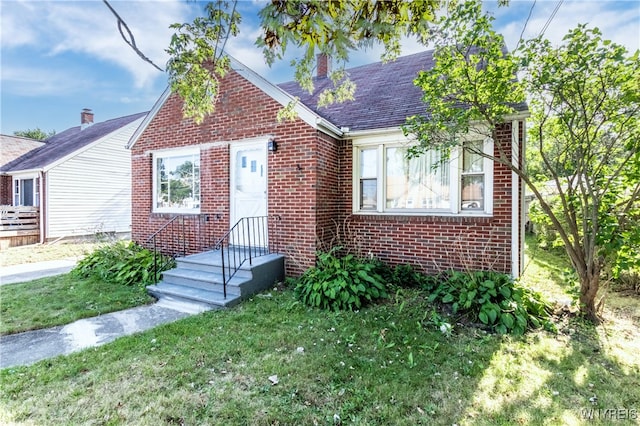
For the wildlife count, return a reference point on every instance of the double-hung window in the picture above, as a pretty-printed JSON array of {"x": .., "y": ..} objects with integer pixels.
[
  {"x": 176, "y": 178},
  {"x": 388, "y": 181}
]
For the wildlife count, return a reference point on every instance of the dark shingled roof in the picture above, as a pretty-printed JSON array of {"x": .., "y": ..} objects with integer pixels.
[
  {"x": 385, "y": 94},
  {"x": 67, "y": 142}
]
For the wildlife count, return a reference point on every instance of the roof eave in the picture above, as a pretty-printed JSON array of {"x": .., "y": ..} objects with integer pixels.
[
  {"x": 147, "y": 120},
  {"x": 372, "y": 132},
  {"x": 21, "y": 172}
]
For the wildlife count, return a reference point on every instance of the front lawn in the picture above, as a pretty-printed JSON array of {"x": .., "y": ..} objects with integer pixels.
[
  {"x": 272, "y": 360},
  {"x": 62, "y": 299}
]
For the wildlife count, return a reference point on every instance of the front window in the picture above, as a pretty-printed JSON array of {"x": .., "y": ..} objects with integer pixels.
[
  {"x": 417, "y": 183},
  {"x": 436, "y": 182},
  {"x": 177, "y": 181}
]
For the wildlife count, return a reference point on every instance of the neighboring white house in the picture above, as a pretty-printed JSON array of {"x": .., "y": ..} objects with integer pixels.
[{"x": 80, "y": 178}]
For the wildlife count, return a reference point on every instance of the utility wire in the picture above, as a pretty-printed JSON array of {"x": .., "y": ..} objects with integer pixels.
[
  {"x": 235, "y": 4},
  {"x": 525, "y": 24},
  {"x": 553, "y": 14},
  {"x": 131, "y": 41}
]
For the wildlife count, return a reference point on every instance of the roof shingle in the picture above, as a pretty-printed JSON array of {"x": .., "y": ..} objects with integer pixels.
[
  {"x": 67, "y": 142},
  {"x": 385, "y": 94}
]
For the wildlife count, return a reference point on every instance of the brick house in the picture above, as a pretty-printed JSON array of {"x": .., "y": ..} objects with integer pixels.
[{"x": 334, "y": 175}]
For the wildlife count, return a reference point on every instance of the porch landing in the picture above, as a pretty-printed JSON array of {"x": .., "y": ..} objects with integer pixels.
[{"x": 197, "y": 280}]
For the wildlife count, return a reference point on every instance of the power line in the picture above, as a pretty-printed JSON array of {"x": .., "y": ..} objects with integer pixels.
[
  {"x": 131, "y": 41},
  {"x": 553, "y": 14},
  {"x": 233, "y": 12},
  {"x": 525, "y": 24}
]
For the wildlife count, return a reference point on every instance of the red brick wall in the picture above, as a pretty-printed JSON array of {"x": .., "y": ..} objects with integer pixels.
[
  {"x": 310, "y": 189},
  {"x": 436, "y": 243},
  {"x": 243, "y": 111},
  {"x": 6, "y": 195}
]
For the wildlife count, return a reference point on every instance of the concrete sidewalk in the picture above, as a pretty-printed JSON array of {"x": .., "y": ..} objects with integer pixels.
[
  {"x": 33, "y": 346},
  {"x": 31, "y": 271}
]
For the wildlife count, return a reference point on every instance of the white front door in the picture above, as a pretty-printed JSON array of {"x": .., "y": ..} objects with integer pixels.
[{"x": 248, "y": 186}]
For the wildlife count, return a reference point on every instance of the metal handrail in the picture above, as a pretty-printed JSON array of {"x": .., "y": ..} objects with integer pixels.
[
  {"x": 152, "y": 241},
  {"x": 247, "y": 239},
  {"x": 244, "y": 241}
]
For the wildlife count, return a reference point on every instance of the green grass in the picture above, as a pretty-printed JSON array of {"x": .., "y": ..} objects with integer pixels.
[
  {"x": 62, "y": 299},
  {"x": 386, "y": 364}
]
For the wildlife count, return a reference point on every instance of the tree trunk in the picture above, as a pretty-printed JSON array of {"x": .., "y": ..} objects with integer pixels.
[{"x": 589, "y": 286}]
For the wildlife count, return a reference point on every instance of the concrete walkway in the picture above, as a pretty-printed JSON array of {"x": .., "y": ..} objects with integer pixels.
[
  {"x": 31, "y": 271},
  {"x": 33, "y": 346}
]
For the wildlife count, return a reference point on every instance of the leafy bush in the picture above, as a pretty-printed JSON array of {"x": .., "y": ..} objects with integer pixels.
[
  {"x": 546, "y": 234},
  {"x": 124, "y": 263},
  {"x": 340, "y": 283},
  {"x": 407, "y": 276},
  {"x": 495, "y": 300}
]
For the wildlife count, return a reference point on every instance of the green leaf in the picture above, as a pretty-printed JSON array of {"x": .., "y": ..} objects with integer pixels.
[
  {"x": 507, "y": 320},
  {"x": 492, "y": 313}
]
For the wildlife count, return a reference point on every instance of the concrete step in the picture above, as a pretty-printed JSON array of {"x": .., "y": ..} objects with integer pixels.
[
  {"x": 204, "y": 280},
  {"x": 211, "y": 261},
  {"x": 195, "y": 296},
  {"x": 196, "y": 280}
]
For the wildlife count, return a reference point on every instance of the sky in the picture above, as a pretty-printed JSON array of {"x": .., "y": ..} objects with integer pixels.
[{"x": 60, "y": 56}]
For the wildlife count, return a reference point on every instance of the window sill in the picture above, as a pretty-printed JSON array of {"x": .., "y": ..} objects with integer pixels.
[
  {"x": 176, "y": 212},
  {"x": 470, "y": 215}
]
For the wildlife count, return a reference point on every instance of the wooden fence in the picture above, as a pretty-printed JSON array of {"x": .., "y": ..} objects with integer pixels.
[{"x": 19, "y": 226}]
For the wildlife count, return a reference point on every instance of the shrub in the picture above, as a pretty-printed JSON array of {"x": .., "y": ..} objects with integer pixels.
[
  {"x": 546, "y": 234},
  {"x": 407, "y": 276},
  {"x": 124, "y": 263},
  {"x": 340, "y": 283},
  {"x": 495, "y": 300}
]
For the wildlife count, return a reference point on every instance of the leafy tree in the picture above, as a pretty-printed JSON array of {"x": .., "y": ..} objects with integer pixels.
[
  {"x": 36, "y": 134},
  {"x": 585, "y": 102},
  {"x": 335, "y": 28},
  {"x": 586, "y": 130}
]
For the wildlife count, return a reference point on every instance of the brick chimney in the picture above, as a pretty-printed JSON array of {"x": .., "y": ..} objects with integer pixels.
[
  {"x": 86, "y": 118},
  {"x": 324, "y": 64}
]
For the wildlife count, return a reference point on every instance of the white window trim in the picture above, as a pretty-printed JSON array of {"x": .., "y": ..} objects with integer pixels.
[
  {"x": 36, "y": 187},
  {"x": 154, "y": 190},
  {"x": 455, "y": 167}
]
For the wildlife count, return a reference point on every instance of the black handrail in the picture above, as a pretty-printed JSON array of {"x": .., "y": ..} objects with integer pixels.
[
  {"x": 246, "y": 240},
  {"x": 179, "y": 236},
  {"x": 165, "y": 254}
]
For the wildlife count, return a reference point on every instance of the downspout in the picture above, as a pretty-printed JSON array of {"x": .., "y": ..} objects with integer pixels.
[
  {"x": 523, "y": 204},
  {"x": 515, "y": 201},
  {"x": 42, "y": 208}
]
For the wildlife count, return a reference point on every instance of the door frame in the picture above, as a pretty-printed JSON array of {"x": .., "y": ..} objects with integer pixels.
[{"x": 258, "y": 142}]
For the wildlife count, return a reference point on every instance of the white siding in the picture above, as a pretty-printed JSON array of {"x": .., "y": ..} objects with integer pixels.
[{"x": 91, "y": 192}]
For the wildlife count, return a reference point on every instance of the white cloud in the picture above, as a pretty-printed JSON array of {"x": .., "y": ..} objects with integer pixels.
[
  {"x": 89, "y": 28},
  {"x": 17, "y": 28}
]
